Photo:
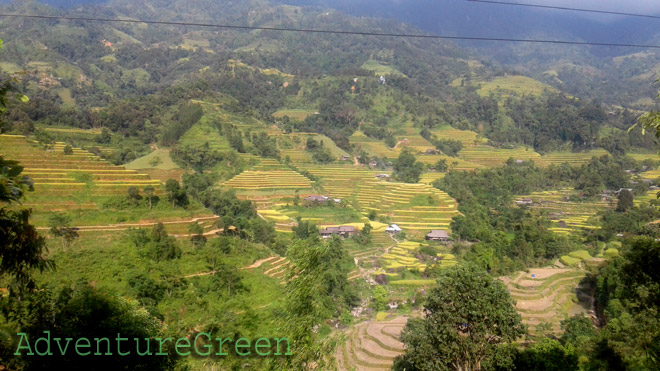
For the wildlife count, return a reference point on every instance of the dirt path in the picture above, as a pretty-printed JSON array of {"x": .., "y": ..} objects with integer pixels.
[
  {"x": 258, "y": 263},
  {"x": 399, "y": 142},
  {"x": 125, "y": 226}
]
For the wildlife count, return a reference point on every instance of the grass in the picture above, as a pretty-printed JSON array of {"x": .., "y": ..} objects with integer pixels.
[
  {"x": 569, "y": 260},
  {"x": 380, "y": 68},
  {"x": 581, "y": 254},
  {"x": 160, "y": 157},
  {"x": 413, "y": 283},
  {"x": 297, "y": 114},
  {"x": 508, "y": 85}
]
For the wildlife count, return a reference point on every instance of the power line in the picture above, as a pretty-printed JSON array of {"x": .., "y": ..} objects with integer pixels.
[
  {"x": 566, "y": 8},
  {"x": 336, "y": 32}
]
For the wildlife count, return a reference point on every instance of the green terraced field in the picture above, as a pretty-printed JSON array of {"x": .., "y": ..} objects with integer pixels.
[{"x": 567, "y": 216}]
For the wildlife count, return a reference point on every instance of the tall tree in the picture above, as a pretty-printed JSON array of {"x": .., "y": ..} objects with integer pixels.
[
  {"x": 467, "y": 318},
  {"x": 22, "y": 249},
  {"x": 407, "y": 168}
]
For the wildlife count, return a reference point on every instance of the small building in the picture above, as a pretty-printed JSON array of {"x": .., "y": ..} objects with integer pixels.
[
  {"x": 393, "y": 229},
  {"x": 316, "y": 199},
  {"x": 373, "y": 163},
  {"x": 382, "y": 176},
  {"x": 621, "y": 190},
  {"x": 345, "y": 157},
  {"x": 432, "y": 151},
  {"x": 437, "y": 235},
  {"x": 342, "y": 231},
  {"x": 520, "y": 162},
  {"x": 524, "y": 201}
]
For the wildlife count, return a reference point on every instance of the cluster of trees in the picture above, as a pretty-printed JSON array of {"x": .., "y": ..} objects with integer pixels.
[
  {"x": 511, "y": 238},
  {"x": 379, "y": 132},
  {"x": 449, "y": 147},
  {"x": 320, "y": 153},
  {"x": 407, "y": 168},
  {"x": 626, "y": 290},
  {"x": 186, "y": 116}
]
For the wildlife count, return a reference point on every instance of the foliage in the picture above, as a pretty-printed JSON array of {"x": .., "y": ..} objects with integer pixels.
[
  {"x": 407, "y": 168},
  {"x": 469, "y": 316},
  {"x": 176, "y": 195},
  {"x": 84, "y": 312},
  {"x": 186, "y": 116}
]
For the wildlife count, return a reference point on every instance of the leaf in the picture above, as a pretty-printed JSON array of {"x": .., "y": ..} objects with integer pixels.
[
  {"x": 24, "y": 98},
  {"x": 15, "y": 171}
]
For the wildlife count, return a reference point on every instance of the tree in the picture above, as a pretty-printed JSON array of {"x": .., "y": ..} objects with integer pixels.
[
  {"x": 159, "y": 246},
  {"x": 407, "y": 168},
  {"x": 22, "y": 249},
  {"x": 225, "y": 276},
  {"x": 441, "y": 166},
  {"x": 60, "y": 227},
  {"x": 149, "y": 193},
  {"x": 380, "y": 298},
  {"x": 468, "y": 317},
  {"x": 67, "y": 149},
  {"x": 174, "y": 193},
  {"x": 198, "y": 239},
  {"x": 7, "y": 87},
  {"x": 85, "y": 312},
  {"x": 547, "y": 355},
  {"x": 625, "y": 200},
  {"x": 133, "y": 194}
]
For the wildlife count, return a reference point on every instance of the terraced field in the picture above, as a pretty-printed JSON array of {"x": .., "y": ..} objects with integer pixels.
[
  {"x": 57, "y": 175},
  {"x": 573, "y": 158},
  {"x": 371, "y": 346},
  {"x": 507, "y": 85},
  {"x": 414, "y": 207},
  {"x": 568, "y": 216},
  {"x": 293, "y": 146},
  {"x": 546, "y": 296},
  {"x": 274, "y": 267},
  {"x": 276, "y": 181},
  {"x": 403, "y": 256}
]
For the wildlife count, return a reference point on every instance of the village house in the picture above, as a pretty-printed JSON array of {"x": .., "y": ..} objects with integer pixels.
[
  {"x": 431, "y": 151},
  {"x": 342, "y": 231},
  {"x": 315, "y": 199},
  {"x": 344, "y": 157},
  {"x": 382, "y": 176},
  {"x": 524, "y": 201},
  {"x": 393, "y": 229},
  {"x": 373, "y": 163},
  {"x": 437, "y": 235}
]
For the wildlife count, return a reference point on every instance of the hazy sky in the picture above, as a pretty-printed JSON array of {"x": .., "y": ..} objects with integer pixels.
[{"x": 628, "y": 6}]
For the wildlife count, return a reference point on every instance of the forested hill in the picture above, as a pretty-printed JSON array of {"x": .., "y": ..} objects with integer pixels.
[{"x": 132, "y": 77}]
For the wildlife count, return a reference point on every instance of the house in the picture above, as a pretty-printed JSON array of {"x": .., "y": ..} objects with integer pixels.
[
  {"x": 520, "y": 162},
  {"x": 342, "y": 231},
  {"x": 373, "y": 163},
  {"x": 432, "y": 151},
  {"x": 621, "y": 189},
  {"x": 315, "y": 199},
  {"x": 437, "y": 235},
  {"x": 524, "y": 201},
  {"x": 345, "y": 157},
  {"x": 393, "y": 229},
  {"x": 382, "y": 176}
]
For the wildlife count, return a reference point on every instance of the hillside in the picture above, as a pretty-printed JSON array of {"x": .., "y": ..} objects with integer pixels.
[{"x": 333, "y": 189}]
